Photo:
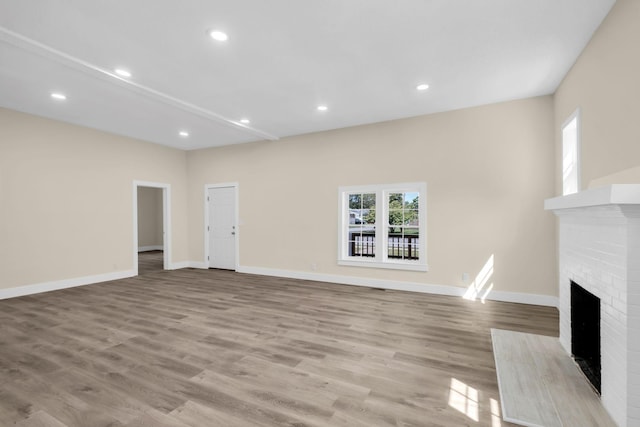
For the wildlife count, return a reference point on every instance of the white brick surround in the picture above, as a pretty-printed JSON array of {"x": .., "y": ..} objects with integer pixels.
[{"x": 599, "y": 249}]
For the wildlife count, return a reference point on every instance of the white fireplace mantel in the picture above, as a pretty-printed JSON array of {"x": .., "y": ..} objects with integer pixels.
[{"x": 616, "y": 194}]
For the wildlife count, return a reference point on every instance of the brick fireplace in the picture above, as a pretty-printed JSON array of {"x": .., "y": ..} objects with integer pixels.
[{"x": 599, "y": 249}]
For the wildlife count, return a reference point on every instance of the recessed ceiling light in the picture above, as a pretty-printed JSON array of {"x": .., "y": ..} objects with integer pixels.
[
  {"x": 122, "y": 72},
  {"x": 59, "y": 96},
  {"x": 245, "y": 121},
  {"x": 218, "y": 35},
  {"x": 422, "y": 86},
  {"x": 322, "y": 108},
  {"x": 184, "y": 133}
]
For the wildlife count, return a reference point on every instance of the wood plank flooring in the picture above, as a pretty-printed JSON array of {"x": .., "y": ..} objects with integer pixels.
[
  {"x": 218, "y": 348},
  {"x": 150, "y": 262},
  {"x": 541, "y": 385}
]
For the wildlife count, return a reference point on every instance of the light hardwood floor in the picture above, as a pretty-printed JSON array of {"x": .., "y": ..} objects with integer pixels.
[
  {"x": 150, "y": 262},
  {"x": 218, "y": 348}
]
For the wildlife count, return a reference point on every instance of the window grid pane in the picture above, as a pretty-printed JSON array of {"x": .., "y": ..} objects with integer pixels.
[
  {"x": 362, "y": 220},
  {"x": 403, "y": 239}
]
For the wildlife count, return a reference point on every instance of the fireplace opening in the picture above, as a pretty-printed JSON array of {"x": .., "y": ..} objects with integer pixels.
[{"x": 585, "y": 332}]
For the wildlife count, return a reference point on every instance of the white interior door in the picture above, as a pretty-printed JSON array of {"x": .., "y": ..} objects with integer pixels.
[{"x": 222, "y": 227}]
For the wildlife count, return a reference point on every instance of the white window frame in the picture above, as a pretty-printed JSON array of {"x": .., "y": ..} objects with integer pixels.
[
  {"x": 575, "y": 167},
  {"x": 381, "y": 260}
]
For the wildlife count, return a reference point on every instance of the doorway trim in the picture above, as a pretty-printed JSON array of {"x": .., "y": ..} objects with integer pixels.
[
  {"x": 236, "y": 188},
  {"x": 166, "y": 221}
]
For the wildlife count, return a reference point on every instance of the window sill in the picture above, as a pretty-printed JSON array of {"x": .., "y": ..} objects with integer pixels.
[{"x": 386, "y": 265}]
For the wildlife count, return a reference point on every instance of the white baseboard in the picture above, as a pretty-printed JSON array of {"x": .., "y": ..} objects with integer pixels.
[
  {"x": 535, "y": 299},
  {"x": 198, "y": 264},
  {"x": 179, "y": 265},
  {"x": 150, "y": 248},
  {"x": 522, "y": 298},
  {"x": 63, "y": 284}
]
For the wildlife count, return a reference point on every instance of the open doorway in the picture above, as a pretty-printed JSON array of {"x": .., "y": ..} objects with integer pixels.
[
  {"x": 151, "y": 227},
  {"x": 150, "y": 230}
]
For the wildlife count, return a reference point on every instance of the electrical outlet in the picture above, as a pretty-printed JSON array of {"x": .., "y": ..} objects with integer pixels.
[
  {"x": 314, "y": 266},
  {"x": 465, "y": 277}
]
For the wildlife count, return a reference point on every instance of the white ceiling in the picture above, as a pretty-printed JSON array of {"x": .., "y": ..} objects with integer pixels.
[{"x": 361, "y": 58}]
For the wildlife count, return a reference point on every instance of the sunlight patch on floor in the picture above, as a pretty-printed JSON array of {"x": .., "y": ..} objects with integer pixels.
[
  {"x": 495, "y": 414},
  {"x": 464, "y": 399}
]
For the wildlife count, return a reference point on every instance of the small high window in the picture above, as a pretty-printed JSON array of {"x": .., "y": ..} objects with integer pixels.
[{"x": 571, "y": 154}]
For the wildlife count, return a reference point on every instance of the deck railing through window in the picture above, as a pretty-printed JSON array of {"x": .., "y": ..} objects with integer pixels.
[{"x": 399, "y": 247}]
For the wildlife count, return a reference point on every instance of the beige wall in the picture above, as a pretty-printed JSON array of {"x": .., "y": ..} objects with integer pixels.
[
  {"x": 488, "y": 170},
  {"x": 149, "y": 217},
  {"x": 66, "y": 192},
  {"x": 66, "y": 199},
  {"x": 604, "y": 84}
]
